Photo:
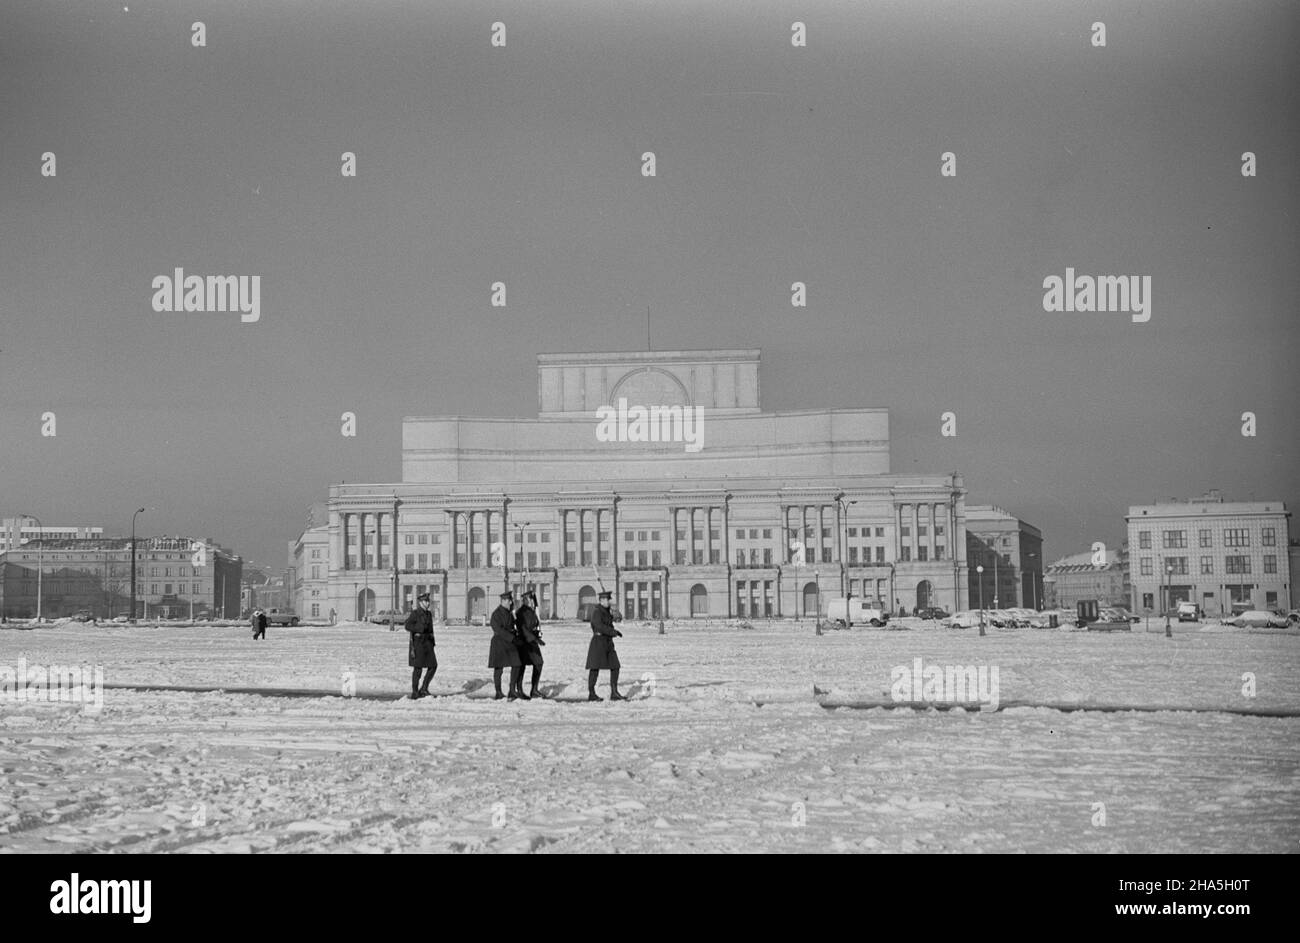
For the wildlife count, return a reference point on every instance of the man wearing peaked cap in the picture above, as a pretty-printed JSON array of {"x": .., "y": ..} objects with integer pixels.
[
  {"x": 530, "y": 643},
  {"x": 504, "y": 652},
  {"x": 419, "y": 623},
  {"x": 601, "y": 655}
]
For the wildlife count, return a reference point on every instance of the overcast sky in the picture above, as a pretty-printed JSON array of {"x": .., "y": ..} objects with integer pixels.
[{"x": 775, "y": 164}]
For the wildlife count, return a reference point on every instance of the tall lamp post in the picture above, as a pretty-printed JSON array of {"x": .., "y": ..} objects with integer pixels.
[
  {"x": 523, "y": 558},
  {"x": 1169, "y": 570},
  {"x": 844, "y": 530},
  {"x": 133, "y": 517},
  {"x": 40, "y": 561},
  {"x": 980, "y": 570}
]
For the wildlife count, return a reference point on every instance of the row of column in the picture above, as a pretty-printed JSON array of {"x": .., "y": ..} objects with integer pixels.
[
  {"x": 914, "y": 515},
  {"x": 705, "y": 520},
  {"x": 576, "y": 520},
  {"x": 360, "y": 518}
]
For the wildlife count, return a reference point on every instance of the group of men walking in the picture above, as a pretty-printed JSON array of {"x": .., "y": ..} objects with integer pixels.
[{"x": 516, "y": 643}]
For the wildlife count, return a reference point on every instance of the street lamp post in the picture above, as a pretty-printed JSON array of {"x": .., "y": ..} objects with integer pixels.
[
  {"x": 844, "y": 530},
  {"x": 40, "y": 562},
  {"x": 523, "y": 558},
  {"x": 980, "y": 570},
  {"x": 1169, "y": 570},
  {"x": 133, "y": 517}
]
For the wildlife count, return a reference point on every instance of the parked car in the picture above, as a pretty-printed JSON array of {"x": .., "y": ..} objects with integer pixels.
[
  {"x": 933, "y": 612},
  {"x": 1258, "y": 619},
  {"x": 83, "y": 615},
  {"x": 1189, "y": 612},
  {"x": 855, "y": 610},
  {"x": 388, "y": 617},
  {"x": 123, "y": 617},
  {"x": 1293, "y": 616},
  {"x": 281, "y": 617},
  {"x": 966, "y": 619},
  {"x": 1123, "y": 614}
]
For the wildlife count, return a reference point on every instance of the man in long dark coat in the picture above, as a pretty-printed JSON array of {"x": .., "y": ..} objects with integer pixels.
[
  {"x": 504, "y": 653},
  {"x": 601, "y": 655},
  {"x": 259, "y": 624},
  {"x": 530, "y": 642},
  {"x": 419, "y": 623}
]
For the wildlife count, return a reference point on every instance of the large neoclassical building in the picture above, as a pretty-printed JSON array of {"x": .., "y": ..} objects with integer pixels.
[{"x": 751, "y": 514}]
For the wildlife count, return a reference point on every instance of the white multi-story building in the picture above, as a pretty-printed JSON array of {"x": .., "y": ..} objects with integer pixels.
[
  {"x": 1211, "y": 552},
  {"x": 16, "y": 531},
  {"x": 762, "y": 514}
]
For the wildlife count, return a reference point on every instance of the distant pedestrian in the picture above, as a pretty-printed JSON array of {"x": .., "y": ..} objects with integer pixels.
[
  {"x": 259, "y": 624},
  {"x": 419, "y": 623},
  {"x": 601, "y": 655},
  {"x": 333, "y": 616},
  {"x": 504, "y": 652},
  {"x": 530, "y": 642}
]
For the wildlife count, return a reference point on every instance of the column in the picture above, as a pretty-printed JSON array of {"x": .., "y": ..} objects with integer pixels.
[
  {"x": 469, "y": 543},
  {"x": 916, "y": 530},
  {"x": 344, "y": 516},
  {"x": 361, "y": 540},
  {"x": 690, "y": 536}
]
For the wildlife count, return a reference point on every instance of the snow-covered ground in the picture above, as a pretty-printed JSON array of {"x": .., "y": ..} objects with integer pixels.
[{"x": 723, "y": 747}]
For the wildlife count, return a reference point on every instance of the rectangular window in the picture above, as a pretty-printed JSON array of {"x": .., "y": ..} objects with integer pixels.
[
  {"x": 546, "y": 559},
  {"x": 1268, "y": 537},
  {"x": 880, "y": 554},
  {"x": 424, "y": 538},
  {"x": 641, "y": 536},
  {"x": 1174, "y": 539},
  {"x": 654, "y": 535},
  {"x": 905, "y": 554},
  {"x": 1144, "y": 540},
  {"x": 546, "y": 539},
  {"x": 568, "y": 558},
  {"x": 938, "y": 530},
  {"x": 922, "y": 530},
  {"x": 167, "y": 589},
  {"x": 938, "y": 552},
  {"x": 628, "y": 556},
  {"x": 1270, "y": 599},
  {"x": 532, "y": 559},
  {"x": 880, "y": 532},
  {"x": 1236, "y": 565},
  {"x": 435, "y": 561},
  {"x": 410, "y": 539},
  {"x": 656, "y": 558},
  {"x": 1203, "y": 538},
  {"x": 1207, "y": 566},
  {"x": 519, "y": 559},
  {"x": 753, "y": 556},
  {"x": 1148, "y": 600},
  {"x": 604, "y": 536},
  {"x": 424, "y": 561},
  {"x": 627, "y": 536},
  {"x": 1144, "y": 566},
  {"x": 921, "y": 553},
  {"x": 767, "y": 556},
  {"x": 1177, "y": 564},
  {"x": 1270, "y": 563},
  {"x": 586, "y": 558},
  {"x": 740, "y": 533},
  {"x": 410, "y": 561},
  {"x": 315, "y": 610},
  {"x": 905, "y": 530},
  {"x": 1236, "y": 537},
  {"x": 532, "y": 537},
  {"x": 641, "y": 558},
  {"x": 853, "y": 532}
]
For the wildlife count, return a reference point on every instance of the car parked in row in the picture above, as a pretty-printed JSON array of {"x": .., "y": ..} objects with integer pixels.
[
  {"x": 388, "y": 617},
  {"x": 1258, "y": 619}
]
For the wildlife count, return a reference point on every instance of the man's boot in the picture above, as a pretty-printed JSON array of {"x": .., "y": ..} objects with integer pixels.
[
  {"x": 613, "y": 686},
  {"x": 591, "y": 686},
  {"x": 537, "y": 676},
  {"x": 424, "y": 688},
  {"x": 496, "y": 682}
]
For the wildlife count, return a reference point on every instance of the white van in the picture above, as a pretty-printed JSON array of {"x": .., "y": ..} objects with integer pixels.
[{"x": 855, "y": 610}]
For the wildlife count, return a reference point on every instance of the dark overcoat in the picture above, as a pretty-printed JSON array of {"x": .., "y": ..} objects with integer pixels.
[
  {"x": 419, "y": 622},
  {"x": 503, "y": 653},
  {"x": 530, "y": 635},
  {"x": 600, "y": 653}
]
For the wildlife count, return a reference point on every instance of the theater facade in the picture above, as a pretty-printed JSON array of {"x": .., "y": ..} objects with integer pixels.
[{"x": 659, "y": 476}]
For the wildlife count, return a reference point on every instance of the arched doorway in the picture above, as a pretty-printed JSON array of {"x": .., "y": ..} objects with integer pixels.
[
  {"x": 924, "y": 594},
  {"x": 477, "y": 602},
  {"x": 365, "y": 604},
  {"x": 699, "y": 600},
  {"x": 586, "y": 598},
  {"x": 811, "y": 600}
]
